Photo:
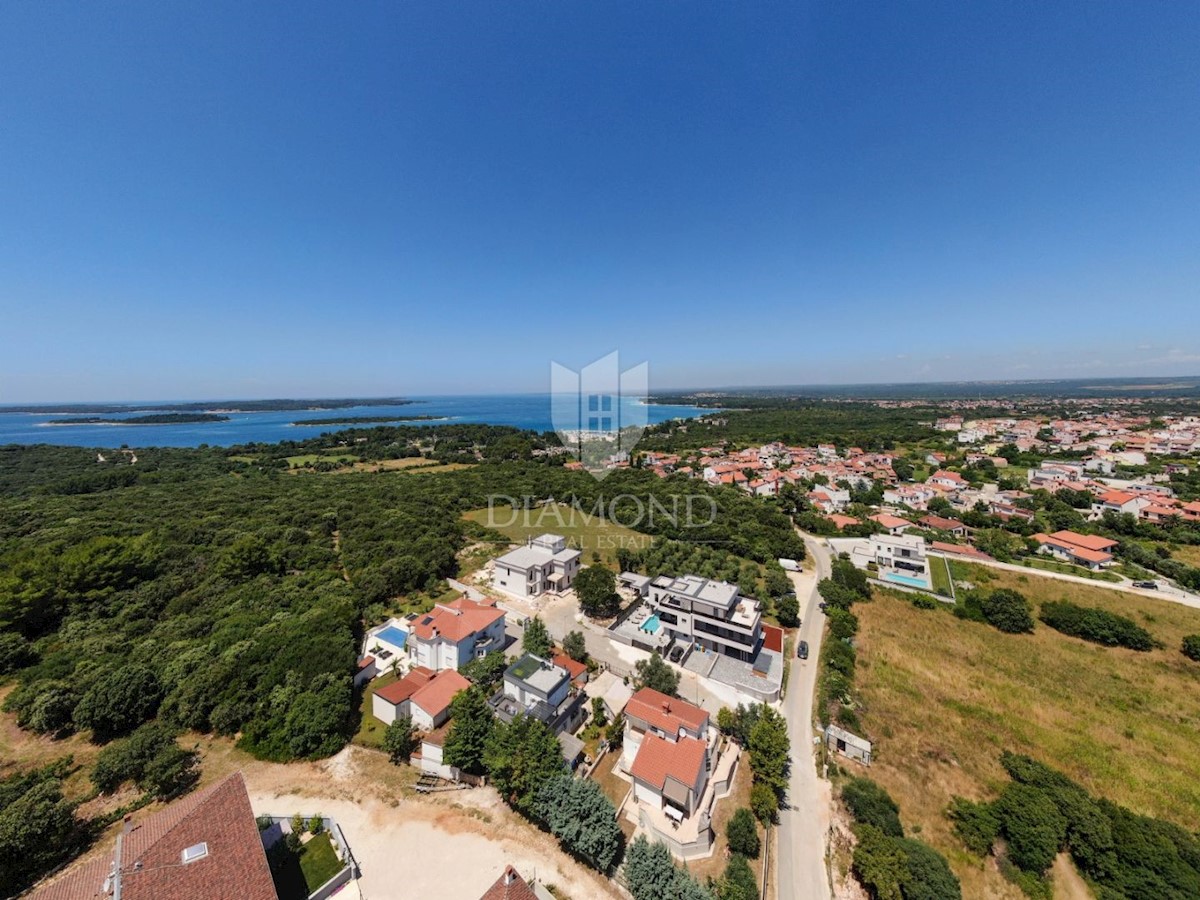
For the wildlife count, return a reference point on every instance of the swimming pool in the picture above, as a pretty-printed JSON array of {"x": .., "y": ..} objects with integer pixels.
[
  {"x": 907, "y": 579},
  {"x": 394, "y": 636},
  {"x": 651, "y": 625}
]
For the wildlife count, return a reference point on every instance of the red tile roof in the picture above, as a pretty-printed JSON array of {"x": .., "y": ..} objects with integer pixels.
[
  {"x": 889, "y": 521},
  {"x": 435, "y": 696},
  {"x": 959, "y": 550},
  {"x": 399, "y": 691},
  {"x": 667, "y": 714},
  {"x": 940, "y": 523},
  {"x": 1090, "y": 541},
  {"x": 658, "y": 758},
  {"x": 509, "y": 886},
  {"x": 456, "y": 620},
  {"x": 151, "y": 862},
  {"x": 842, "y": 521},
  {"x": 576, "y": 669}
]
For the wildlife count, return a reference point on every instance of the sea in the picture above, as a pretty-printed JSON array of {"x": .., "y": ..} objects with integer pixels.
[{"x": 526, "y": 411}]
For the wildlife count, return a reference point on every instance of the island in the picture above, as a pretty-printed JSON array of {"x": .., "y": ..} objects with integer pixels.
[
  {"x": 368, "y": 420},
  {"x": 154, "y": 419}
]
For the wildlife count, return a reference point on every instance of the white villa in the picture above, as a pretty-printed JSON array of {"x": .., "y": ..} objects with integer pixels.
[{"x": 543, "y": 564}]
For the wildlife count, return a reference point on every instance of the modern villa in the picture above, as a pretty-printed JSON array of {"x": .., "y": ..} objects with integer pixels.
[
  {"x": 543, "y": 564},
  {"x": 709, "y": 614},
  {"x": 455, "y": 633}
]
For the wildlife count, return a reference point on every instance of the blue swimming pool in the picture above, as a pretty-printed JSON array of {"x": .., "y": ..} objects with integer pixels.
[
  {"x": 907, "y": 579},
  {"x": 651, "y": 625},
  {"x": 394, "y": 636}
]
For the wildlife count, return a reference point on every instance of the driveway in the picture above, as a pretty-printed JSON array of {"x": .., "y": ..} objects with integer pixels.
[{"x": 800, "y": 869}]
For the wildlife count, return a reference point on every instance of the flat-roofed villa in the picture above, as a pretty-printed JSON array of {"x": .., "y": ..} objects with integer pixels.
[
  {"x": 711, "y": 615},
  {"x": 543, "y": 565}
]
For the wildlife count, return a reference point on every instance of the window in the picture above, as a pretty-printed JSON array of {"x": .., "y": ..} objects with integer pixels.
[{"x": 194, "y": 852}]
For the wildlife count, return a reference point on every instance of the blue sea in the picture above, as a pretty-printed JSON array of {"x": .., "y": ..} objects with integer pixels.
[{"x": 530, "y": 411}]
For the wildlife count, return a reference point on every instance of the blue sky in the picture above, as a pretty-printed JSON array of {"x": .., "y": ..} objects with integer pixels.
[{"x": 209, "y": 200}]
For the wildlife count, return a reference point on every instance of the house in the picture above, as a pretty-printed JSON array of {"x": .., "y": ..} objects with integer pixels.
[
  {"x": 1088, "y": 550},
  {"x": 1120, "y": 502},
  {"x": 893, "y": 525},
  {"x": 364, "y": 670},
  {"x": 964, "y": 550},
  {"x": 204, "y": 846},
  {"x": 847, "y": 744},
  {"x": 708, "y": 614},
  {"x": 939, "y": 523},
  {"x": 429, "y": 757},
  {"x": 947, "y": 479},
  {"x": 543, "y": 564},
  {"x": 638, "y": 584},
  {"x": 454, "y": 633},
  {"x": 422, "y": 694},
  {"x": 901, "y": 558},
  {"x": 510, "y": 886},
  {"x": 539, "y": 688},
  {"x": 652, "y": 712},
  {"x": 667, "y": 750}
]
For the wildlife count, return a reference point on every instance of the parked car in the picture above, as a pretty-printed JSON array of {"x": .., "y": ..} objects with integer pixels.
[
  {"x": 823, "y": 604},
  {"x": 1146, "y": 585},
  {"x": 676, "y": 654},
  {"x": 802, "y": 650}
]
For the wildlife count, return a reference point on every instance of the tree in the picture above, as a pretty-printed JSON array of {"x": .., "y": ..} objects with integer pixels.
[
  {"x": 581, "y": 816},
  {"x": 879, "y": 863},
  {"x": 171, "y": 773},
  {"x": 471, "y": 725},
  {"x": 1191, "y": 647},
  {"x": 37, "y": 829},
  {"x": 927, "y": 875},
  {"x": 485, "y": 671},
  {"x": 119, "y": 702},
  {"x": 15, "y": 652},
  {"x": 1008, "y": 611},
  {"x": 650, "y": 874},
  {"x": 787, "y": 610},
  {"x": 51, "y": 711},
  {"x": 769, "y": 749},
  {"x": 765, "y": 803},
  {"x": 737, "y": 882},
  {"x": 655, "y": 674},
  {"x": 596, "y": 587},
  {"x": 599, "y": 712},
  {"x": 871, "y": 805},
  {"x": 742, "y": 833},
  {"x": 400, "y": 740},
  {"x": 520, "y": 756},
  {"x": 1033, "y": 826},
  {"x": 575, "y": 646},
  {"x": 537, "y": 639}
]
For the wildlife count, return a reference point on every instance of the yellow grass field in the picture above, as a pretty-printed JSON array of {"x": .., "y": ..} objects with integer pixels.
[
  {"x": 943, "y": 697},
  {"x": 586, "y": 532}
]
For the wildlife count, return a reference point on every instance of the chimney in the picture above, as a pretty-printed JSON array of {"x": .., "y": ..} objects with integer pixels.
[{"x": 510, "y": 874}]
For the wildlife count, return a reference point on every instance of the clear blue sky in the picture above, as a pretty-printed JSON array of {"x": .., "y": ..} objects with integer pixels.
[{"x": 252, "y": 199}]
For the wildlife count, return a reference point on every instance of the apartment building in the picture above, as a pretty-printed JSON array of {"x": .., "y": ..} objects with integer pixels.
[{"x": 710, "y": 614}]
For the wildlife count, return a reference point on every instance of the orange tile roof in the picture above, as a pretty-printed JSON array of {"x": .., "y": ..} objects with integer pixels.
[
  {"x": 1089, "y": 541},
  {"x": 435, "y": 696},
  {"x": 842, "y": 521},
  {"x": 659, "y": 758},
  {"x": 399, "y": 691},
  {"x": 151, "y": 866},
  {"x": 889, "y": 521},
  {"x": 574, "y": 668},
  {"x": 456, "y": 620},
  {"x": 668, "y": 714},
  {"x": 509, "y": 886}
]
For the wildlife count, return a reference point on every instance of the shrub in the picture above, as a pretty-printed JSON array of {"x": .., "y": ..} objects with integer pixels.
[
  {"x": 787, "y": 610},
  {"x": 1191, "y": 647},
  {"x": 843, "y": 624},
  {"x": 927, "y": 875},
  {"x": 1034, "y": 827},
  {"x": 1008, "y": 611},
  {"x": 975, "y": 824},
  {"x": 872, "y": 805},
  {"x": 765, "y": 804},
  {"x": 738, "y": 883},
  {"x": 742, "y": 833},
  {"x": 923, "y": 601},
  {"x": 400, "y": 740},
  {"x": 879, "y": 863},
  {"x": 1096, "y": 625},
  {"x": 839, "y": 657}
]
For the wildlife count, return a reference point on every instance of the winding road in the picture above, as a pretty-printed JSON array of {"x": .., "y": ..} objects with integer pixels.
[{"x": 800, "y": 869}]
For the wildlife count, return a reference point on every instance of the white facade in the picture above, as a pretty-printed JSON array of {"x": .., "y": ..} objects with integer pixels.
[
  {"x": 544, "y": 564},
  {"x": 708, "y": 613}
]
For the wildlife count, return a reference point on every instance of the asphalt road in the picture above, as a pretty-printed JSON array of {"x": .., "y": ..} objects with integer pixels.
[{"x": 800, "y": 869}]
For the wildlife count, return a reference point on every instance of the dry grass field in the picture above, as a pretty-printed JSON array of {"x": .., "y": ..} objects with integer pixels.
[{"x": 943, "y": 697}]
